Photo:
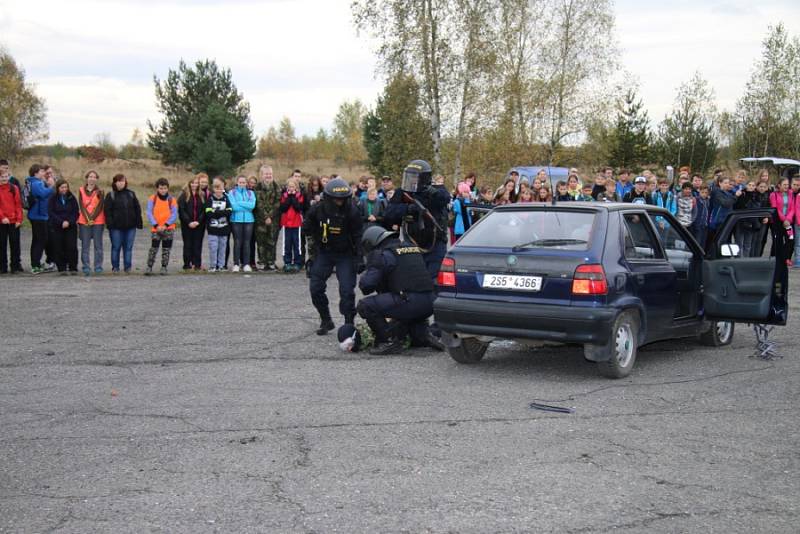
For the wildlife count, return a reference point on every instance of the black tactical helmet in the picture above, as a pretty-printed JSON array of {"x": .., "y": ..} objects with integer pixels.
[
  {"x": 374, "y": 236},
  {"x": 337, "y": 188},
  {"x": 417, "y": 176}
]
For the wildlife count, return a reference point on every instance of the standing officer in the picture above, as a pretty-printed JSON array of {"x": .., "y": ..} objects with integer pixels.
[
  {"x": 420, "y": 209},
  {"x": 396, "y": 272},
  {"x": 334, "y": 227}
]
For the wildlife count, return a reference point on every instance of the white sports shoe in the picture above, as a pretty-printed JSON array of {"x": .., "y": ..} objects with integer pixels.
[
  {"x": 235, "y": 268},
  {"x": 247, "y": 269}
]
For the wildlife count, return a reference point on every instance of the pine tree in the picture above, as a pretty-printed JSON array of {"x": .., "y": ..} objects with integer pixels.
[
  {"x": 206, "y": 124},
  {"x": 397, "y": 132},
  {"x": 631, "y": 138}
]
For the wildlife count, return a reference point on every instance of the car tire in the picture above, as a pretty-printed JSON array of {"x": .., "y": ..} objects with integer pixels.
[
  {"x": 622, "y": 347},
  {"x": 719, "y": 334},
  {"x": 468, "y": 350}
]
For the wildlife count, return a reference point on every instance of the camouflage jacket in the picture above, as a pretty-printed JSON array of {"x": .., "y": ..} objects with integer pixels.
[{"x": 268, "y": 198}]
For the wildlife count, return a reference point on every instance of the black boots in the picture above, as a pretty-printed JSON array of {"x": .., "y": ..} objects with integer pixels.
[
  {"x": 395, "y": 346},
  {"x": 325, "y": 326}
]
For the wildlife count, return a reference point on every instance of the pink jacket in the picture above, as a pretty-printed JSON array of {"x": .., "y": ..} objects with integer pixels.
[{"x": 776, "y": 201}]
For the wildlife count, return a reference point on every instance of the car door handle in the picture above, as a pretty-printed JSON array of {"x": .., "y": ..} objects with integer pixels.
[{"x": 640, "y": 279}]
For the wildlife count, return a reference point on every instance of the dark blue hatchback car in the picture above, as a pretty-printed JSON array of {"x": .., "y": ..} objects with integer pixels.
[{"x": 610, "y": 276}]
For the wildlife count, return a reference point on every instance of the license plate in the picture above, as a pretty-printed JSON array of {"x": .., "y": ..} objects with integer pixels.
[{"x": 513, "y": 282}]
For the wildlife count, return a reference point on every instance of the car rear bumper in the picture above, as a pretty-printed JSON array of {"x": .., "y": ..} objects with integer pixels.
[{"x": 569, "y": 324}]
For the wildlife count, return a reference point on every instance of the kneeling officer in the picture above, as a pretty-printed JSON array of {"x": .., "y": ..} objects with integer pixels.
[{"x": 396, "y": 272}]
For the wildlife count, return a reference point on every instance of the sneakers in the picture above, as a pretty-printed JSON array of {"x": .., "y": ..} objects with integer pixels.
[
  {"x": 163, "y": 271},
  {"x": 49, "y": 267},
  {"x": 149, "y": 271},
  {"x": 36, "y": 270},
  {"x": 325, "y": 326},
  {"x": 393, "y": 347},
  {"x": 287, "y": 268},
  {"x": 235, "y": 269},
  {"x": 247, "y": 269},
  {"x": 212, "y": 269},
  {"x": 272, "y": 267}
]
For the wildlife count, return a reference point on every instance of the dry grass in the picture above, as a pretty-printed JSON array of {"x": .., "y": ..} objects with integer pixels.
[{"x": 142, "y": 174}]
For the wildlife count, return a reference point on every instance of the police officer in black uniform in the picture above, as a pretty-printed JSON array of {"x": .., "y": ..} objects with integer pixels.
[
  {"x": 404, "y": 292},
  {"x": 420, "y": 209},
  {"x": 334, "y": 226}
]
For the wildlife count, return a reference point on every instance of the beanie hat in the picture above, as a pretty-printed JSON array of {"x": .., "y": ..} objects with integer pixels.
[{"x": 463, "y": 187}]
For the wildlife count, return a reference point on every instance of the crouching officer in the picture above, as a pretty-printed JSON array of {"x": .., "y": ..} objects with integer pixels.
[
  {"x": 420, "y": 209},
  {"x": 334, "y": 226},
  {"x": 396, "y": 272}
]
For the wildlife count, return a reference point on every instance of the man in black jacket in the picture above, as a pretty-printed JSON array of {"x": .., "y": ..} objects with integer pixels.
[
  {"x": 334, "y": 227},
  {"x": 404, "y": 293}
]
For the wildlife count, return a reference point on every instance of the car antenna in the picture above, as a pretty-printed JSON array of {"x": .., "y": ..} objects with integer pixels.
[{"x": 552, "y": 189}]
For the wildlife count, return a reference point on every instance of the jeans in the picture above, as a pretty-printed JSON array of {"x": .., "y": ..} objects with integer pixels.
[
  {"x": 217, "y": 247},
  {"x": 242, "y": 232},
  {"x": 122, "y": 240},
  {"x": 700, "y": 235},
  {"x": 9, "y": 234},
  {"x": 88, "y": 235},
  {"x": 746, "y": 239},
  {"x": 38, "y": 242}
]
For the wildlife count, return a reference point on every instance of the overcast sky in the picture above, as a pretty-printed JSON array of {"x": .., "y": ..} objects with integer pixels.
[{"x": 94, "y": 60}]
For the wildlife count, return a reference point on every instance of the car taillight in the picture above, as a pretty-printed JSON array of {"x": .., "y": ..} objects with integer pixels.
[
  {"x": 447, "y": 273},
  {"x": 589, "y": 280}
]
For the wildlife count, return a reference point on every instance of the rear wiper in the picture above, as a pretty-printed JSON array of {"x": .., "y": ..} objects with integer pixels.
[{"x": 548, "y": 243}]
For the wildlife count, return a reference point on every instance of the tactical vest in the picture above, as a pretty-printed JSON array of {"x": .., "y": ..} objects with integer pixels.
[
  {"x": 334, "y": 231},
  {"x": 410, "y": 273}
]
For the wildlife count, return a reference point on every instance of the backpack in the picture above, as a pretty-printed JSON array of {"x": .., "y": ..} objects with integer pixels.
[{"x": 28, "y": 200}]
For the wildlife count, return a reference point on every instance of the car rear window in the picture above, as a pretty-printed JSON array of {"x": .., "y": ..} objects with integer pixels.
[{"x": 566, "y": 230}]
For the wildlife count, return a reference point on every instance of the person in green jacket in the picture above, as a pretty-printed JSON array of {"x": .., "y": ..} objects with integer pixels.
[{"x": 268, "y": 197}]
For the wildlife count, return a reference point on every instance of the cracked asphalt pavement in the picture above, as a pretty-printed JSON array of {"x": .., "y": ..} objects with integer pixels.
[{"x": 205, "y": 403}]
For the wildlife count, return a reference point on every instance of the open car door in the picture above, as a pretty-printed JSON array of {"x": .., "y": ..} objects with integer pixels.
[{"x": 741, "y": 281}]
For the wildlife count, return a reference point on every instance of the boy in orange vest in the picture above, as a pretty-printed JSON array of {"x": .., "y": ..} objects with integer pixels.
[{"x": 162, "y": 212}]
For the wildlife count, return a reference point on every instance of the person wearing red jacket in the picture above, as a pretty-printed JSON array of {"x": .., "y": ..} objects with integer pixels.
[
  {"x": 291, "y": 210},
  {"x": 10, "y": 221}
]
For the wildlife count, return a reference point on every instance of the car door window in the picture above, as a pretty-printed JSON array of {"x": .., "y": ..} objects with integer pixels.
[
  {"x": 678, "y": 251},
  {"x": 640, "y": 243}
]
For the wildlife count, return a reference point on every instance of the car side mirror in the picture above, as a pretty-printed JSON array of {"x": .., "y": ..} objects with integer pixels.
[{"x": 729, "y": 250}]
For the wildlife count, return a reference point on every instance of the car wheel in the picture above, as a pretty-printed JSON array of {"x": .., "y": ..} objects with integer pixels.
[
  {"x": 468, "y": 350},
  {"x": 622, "y": 346},
  {"x": 720, "y": 334}
]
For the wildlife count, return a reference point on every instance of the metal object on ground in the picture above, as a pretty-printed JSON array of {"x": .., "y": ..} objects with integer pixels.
[{"x": 765, "y": 349}]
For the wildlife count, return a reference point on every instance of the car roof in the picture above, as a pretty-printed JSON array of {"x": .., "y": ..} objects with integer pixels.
[
  {"x": 580, "y": 206},
  {"x": 774, "y": 161}
]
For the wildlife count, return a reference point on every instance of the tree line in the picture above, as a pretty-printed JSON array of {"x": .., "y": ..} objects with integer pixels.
[{"x": 469, "y": 85}]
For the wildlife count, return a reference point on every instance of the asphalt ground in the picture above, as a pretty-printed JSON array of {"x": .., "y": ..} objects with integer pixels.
[{"x": 205, "y": 403}]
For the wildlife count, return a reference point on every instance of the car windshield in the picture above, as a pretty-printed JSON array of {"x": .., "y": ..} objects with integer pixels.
[{"x": 519, "y": 230}]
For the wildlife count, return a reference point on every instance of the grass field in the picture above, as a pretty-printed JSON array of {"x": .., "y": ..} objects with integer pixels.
[{"x": 142, "y": 174}]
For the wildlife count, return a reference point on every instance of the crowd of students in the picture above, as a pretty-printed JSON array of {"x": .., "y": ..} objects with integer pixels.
[
  {"x": 700, "y": 205},
  {"x": 243, "y": 219}
]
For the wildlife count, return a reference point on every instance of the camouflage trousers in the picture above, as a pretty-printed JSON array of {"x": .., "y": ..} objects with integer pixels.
[{"x": 266, "y": 237}]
